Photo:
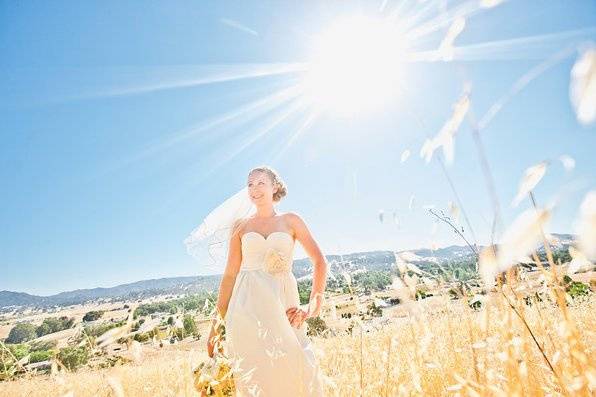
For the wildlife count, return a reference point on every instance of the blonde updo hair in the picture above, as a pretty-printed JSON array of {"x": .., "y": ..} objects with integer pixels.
[{"x": 276, "y": 180}]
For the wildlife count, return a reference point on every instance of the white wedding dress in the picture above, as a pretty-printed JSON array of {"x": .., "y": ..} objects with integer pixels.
[{"x": 275, "y": 359}]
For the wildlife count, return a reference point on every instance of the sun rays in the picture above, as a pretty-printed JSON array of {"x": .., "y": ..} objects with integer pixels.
[
  {"x": 530, "y": 47},
  {"x": 174, "y": 77},
  {"x": 357, "y": 64}
]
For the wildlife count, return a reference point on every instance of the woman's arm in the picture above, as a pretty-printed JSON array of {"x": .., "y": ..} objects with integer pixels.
[
  {"x": 232, "y": 268},
  {"x": 226, "y": 285},
  {"x": 312, "y": 249}
]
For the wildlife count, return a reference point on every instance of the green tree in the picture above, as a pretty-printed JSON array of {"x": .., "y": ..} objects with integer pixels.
[
  {"x": 19, "y": 350},
  {"x": 141, "y": 337},
  {"x": 100, "y": 329},
  {"x": 135, "y": 326},
  {"x": 21, "y": 332},
  {"x": 178, "y": 332},
  {"x": 156, "y": 332},
  {"x": 73, "y": 357},
  {"x": 190, "y": 327},
  {"x": 41, "y": 355},
  {"x": 374, "y": 310},
  {"x": 54, "y": 324},
  {"x": 575, "y": 288},
  {"x": 93, "y": 315}
]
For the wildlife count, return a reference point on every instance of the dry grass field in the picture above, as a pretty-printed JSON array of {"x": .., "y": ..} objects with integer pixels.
[{"x": 433, "y": 347}]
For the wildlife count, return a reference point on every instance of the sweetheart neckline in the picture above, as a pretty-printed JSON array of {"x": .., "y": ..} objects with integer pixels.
[{"x": 266, "y": 238}]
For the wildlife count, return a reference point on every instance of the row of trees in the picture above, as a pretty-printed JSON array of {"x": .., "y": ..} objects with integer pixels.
[
  {"x": 12, "y": 356},
  {"x": 100, "y": 329},
  {"x": 187, "y": 303},
  {"x": 189, "y": 327},
  {"x": 23, "y": 332},
  {"x": 373, "y": 280}
]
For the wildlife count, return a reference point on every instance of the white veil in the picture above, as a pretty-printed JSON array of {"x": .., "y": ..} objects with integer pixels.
[{"x": 213, "y": 234}]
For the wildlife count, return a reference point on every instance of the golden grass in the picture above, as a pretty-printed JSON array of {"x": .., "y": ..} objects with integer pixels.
[
  {"x": 461, "y": 351},
  {"x": 450, "y": 351},
  {"x": 165, "y": 373}
]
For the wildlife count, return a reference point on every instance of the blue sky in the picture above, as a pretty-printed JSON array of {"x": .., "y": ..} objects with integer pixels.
[{"x": 99, "y": 189}]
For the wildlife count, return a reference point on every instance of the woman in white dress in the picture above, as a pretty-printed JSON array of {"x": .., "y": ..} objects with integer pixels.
[{"x": 258, "y": 298}]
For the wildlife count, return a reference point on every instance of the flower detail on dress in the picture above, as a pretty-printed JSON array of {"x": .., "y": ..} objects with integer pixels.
[{"x": 276, "y": 262}]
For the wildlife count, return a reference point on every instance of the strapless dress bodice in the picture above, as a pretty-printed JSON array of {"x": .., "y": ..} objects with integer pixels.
[{"x": 273, "y": 253}]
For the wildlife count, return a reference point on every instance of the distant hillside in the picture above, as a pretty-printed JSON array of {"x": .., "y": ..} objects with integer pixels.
[
  {"x": 136, "y": 290},
  {"x": 383, "y": 260},
  {"x": 302, "y": 268}
]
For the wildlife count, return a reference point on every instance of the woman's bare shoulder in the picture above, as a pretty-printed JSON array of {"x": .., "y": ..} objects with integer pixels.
[
  {"x": 294, "y": 219},
  {"x": 291, "y": 215},
  {"x": 240, "y": 225}
]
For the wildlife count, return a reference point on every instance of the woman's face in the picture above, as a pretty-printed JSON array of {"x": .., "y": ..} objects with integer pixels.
[{"x": 260, "y": 188}]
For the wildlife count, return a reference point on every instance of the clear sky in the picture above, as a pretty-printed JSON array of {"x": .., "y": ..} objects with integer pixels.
[{"x": 123, "y": 123}]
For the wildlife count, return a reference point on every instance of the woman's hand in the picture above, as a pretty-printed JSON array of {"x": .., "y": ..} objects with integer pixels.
[
  {"x": 296, "y": 316},
  {"x": 211, "y": 341}
]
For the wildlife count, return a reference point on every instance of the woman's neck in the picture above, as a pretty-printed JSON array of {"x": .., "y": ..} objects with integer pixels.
[{"x": 265, "y": 212}]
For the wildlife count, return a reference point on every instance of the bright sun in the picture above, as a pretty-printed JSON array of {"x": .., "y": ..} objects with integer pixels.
[{"x": 356, "y": 65}]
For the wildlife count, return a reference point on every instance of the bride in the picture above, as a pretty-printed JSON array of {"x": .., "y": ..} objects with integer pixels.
[{"x": 265, "y": 329}]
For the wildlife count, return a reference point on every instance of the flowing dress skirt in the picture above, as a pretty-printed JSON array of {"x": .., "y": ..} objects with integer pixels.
[{"x": 275, "y": 359}]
